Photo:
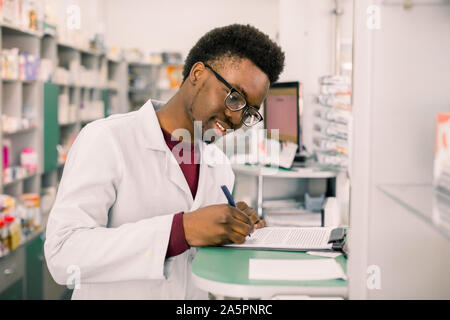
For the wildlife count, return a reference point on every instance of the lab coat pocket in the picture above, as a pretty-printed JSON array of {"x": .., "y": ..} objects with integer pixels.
[
  {"x": 174, "y": 284},
  {"x": 168, "y": 268}
]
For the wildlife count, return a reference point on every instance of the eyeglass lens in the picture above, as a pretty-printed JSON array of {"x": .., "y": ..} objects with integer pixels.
[
  {"x": 235, "y": 101},
  {"x": 250, "y": 117}
]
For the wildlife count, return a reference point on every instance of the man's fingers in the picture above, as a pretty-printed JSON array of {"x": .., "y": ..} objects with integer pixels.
[
  {"x": 252, "y": 214},
  {"x": 260, "y": 224},
  {"x": 241, "y": 205},
  {"x": 241, "y": 228},
  {"x": 249, "y": 211},
  {"x": 239, "y": 215},
  {"x": 237, "y": 238},
  {"x": 257, "y": 222}
]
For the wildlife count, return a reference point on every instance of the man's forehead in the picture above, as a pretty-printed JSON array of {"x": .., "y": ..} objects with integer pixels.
[{"x": 245, "y": 76}]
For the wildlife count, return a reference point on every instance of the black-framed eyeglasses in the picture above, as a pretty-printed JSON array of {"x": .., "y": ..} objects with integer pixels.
[{"x": 235, "y": 101}]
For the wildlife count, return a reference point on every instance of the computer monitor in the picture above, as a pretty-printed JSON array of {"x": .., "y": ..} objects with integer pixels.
[{"x": 282, "y": 112}]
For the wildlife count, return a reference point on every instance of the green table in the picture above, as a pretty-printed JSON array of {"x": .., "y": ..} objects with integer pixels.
[{"x": 224, "y": 273}]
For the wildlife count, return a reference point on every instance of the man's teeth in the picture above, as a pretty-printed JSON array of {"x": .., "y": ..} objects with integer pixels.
[{"x": 220, "y": 126}]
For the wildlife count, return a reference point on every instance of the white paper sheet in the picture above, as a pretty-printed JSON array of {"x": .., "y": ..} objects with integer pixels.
[
  {"x": 324, "y": 254},
  {"x": 293, "y": 220},
  {"x": 300, "y": 270},
  {"x": 288, "y": 238}
]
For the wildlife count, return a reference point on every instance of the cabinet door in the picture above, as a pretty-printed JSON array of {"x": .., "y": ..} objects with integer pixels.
[
  {"x": 51, "y": 126},
  {"x": 34, "y": 269},
  {"x": 52, "y": 290},
  {"x": 12, "y": 271},
  {"x": 14, "y": 291}
]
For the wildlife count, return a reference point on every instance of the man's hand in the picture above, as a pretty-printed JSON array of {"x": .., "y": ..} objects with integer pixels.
[
  {"x": 216, "y": 225},
  {"x": 259, "y": 223}
]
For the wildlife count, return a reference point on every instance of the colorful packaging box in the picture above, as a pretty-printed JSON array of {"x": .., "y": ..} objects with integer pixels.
[{"x": 441, "y": 175}]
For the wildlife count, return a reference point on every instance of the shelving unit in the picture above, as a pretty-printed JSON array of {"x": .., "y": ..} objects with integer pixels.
[
  {"x": 86, "y": 97},
  {"x": 284, "y": 184},
  {"x": 141, "y": 84},
  {"x": 423, "y": 201},
  {"x": 156, "y": 81},
  {"x": 15, "y": 95},
  {"x": 44, "y": 98},
  {"x": 115, "y": 93},
  {"x": 49, "y": 129}
]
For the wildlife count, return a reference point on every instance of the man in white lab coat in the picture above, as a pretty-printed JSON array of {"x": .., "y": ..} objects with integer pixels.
[{"x": 128, "y": 215}]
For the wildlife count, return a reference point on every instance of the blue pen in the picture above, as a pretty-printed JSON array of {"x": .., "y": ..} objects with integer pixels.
[
  {"x": 228, "y": 195},
  {"x": 229, "y": 198}
]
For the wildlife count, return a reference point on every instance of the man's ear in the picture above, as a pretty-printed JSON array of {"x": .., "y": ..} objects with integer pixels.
[{"x": 197, "y": 73}]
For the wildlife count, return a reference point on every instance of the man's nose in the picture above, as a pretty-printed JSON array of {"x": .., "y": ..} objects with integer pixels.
[{"x": 234, "y": 117}]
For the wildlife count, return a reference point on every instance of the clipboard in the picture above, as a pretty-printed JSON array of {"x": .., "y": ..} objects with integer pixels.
[{"x": 295, "y": 239}]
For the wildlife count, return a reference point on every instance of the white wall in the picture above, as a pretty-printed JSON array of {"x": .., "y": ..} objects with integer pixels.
[
  {"x": 411, "y": 68},
  {"x": 411, "y": 71},
  {"x": 307, "y": 36},
  {"x": 174, "y": 25},
  {"x": 92, "y": 18},
  {"x": 401, "y": 83},
  {"x": 304, "y": 29}
]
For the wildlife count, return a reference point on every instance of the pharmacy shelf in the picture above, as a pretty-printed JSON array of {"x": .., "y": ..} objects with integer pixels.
[
  {"x": 75, "y": 48},
  {"x": 149, "y": 74},
  {"x": 113, "y": 60},
  {"x": 42, "y": 98},
  {"x": 86, "y": 121},
  {"x": 17, "y": 132},
  {"x": 313, "y": 172},
  {"x": 12, "y": 29},
  {"x": 80, "y": 86},
  {"x": 68, "y": 124},
  {"x": 28, "y": 176},
  {"x": 142, "y": 64},
  {"x": 268, "y": 175},
  {"x": 19, "y": 81},
  {"x": 16, "y": 93},
  {"x": 149, "y": 64},
  {"x": 423, "y": 201},
  {"x": 414, "y": 3},
  {"x": 137, "y": 91},
  {"x": 66, "y": 45}
]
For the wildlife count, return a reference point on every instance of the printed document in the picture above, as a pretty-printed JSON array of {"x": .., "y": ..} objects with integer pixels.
[
  {"x": 285, "y": 238},
  {"x": 299, "y": 270}
]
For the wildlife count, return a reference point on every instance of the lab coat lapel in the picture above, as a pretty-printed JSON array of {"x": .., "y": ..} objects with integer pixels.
[
  {"x": 206, "y": 184},
  {"x": 151, "y": 138},
  {"x": 175, "y": 175},
  {"x": 149, "y": 134}
]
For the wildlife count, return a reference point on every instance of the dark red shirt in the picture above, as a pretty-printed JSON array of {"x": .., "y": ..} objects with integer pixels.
[{"x": 177, "y": 240}]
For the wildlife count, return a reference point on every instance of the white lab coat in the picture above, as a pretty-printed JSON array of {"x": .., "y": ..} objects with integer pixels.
[{"x": 112, "y": 217}]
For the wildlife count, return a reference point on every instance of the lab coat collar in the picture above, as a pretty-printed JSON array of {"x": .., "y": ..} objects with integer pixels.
[
  {"x": 150, "y": 132},
  {"x": 152, "y": 136}
]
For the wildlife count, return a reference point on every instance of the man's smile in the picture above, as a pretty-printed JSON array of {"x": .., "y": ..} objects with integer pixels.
[{"x": 222, "y": 127}]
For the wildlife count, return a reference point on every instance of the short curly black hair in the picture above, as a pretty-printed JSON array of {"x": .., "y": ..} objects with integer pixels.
[{"x": 238, "y": 41}]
